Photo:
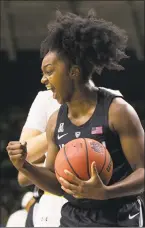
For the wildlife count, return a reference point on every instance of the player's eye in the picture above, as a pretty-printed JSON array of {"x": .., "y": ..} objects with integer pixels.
[{"x": 49, "y": 73}]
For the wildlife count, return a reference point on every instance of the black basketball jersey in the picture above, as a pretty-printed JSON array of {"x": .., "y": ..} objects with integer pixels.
[{"x": 97, "y": 128}]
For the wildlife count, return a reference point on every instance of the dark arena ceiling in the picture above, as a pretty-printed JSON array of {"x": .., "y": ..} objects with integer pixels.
[{"x": 24, "y": 23}]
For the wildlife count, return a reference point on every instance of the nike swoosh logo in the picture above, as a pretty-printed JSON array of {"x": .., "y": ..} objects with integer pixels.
[
  {"x": 131, "y": 217},
  {"x": 61, "y": 136}
]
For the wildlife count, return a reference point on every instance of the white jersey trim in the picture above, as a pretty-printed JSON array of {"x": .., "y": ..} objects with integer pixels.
[{"x": 141, "y": 213}]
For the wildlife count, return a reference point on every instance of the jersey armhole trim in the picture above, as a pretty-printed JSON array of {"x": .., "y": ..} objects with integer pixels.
[{"x": 140, "y": 213}]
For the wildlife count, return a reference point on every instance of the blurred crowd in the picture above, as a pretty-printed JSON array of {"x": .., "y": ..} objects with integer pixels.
[{"x": 11, "y": 123}]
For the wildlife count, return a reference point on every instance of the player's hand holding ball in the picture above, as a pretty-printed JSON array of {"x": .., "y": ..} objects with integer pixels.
[
  {"x": 84, "y": 168},
  {"x": 17, "y": 153},
  {"x": 94, "y": 188}
]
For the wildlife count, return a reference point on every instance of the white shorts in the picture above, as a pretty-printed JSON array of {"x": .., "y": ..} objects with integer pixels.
[{"x": 49, "y": 211}]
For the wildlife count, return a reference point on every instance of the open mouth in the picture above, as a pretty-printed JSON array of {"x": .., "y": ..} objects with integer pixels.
[
  {"x": 52, "y": 88},
  {"x": 48, "y": 87}
]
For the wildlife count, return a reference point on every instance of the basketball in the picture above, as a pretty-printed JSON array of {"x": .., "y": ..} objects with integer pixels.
[{"x": 77, "y": 156}]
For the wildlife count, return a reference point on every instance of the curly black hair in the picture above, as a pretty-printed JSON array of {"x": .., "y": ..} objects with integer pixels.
[{"x": 88, "y": 42}]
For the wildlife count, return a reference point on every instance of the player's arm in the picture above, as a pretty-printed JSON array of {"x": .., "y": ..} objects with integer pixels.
[
  {"x": 43, "y": 177},
  {"x": 34, "y": 130},
  {"x": 24, "y": 180},
  {"x": 36, "y": 147},
  {"x": 34, "y": 134},
  {"x": 125, "y": 121},
  {"x": 36, "y": 143}
]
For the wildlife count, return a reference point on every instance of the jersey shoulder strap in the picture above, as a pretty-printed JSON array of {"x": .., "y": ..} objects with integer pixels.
[
  {"x": 105, "y": 98},
  {"x": 61, "y": 117},
  {"x": 107, "y": 95}
]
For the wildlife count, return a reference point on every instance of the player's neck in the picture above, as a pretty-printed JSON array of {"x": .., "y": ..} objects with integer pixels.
[{"x": 82, "y": 101}]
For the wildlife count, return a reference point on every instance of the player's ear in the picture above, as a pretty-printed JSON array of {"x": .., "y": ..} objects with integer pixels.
[{"x": 74, "y": 72}]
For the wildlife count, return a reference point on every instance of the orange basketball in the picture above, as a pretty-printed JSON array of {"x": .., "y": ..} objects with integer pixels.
[{"x": 77, "y": 157}]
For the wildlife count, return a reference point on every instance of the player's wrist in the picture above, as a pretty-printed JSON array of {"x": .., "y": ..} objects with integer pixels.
[
  {"x": 107, "y": 194},
  {"x": 104, "y": 193},
  {"x": 26, "y": 165},
  {"x": 112, "y": 192}
]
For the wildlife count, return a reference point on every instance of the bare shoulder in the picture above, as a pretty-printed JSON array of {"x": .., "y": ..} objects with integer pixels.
[
  {"x": 122, "y": 115},
  {"x": 119, "y": 107}
]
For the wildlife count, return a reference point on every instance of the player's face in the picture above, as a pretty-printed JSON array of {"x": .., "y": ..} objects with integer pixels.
[{"x": 56, "y": 77}]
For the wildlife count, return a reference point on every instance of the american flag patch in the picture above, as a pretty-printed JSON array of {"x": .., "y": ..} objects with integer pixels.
[{"x": 97, "y": 130}]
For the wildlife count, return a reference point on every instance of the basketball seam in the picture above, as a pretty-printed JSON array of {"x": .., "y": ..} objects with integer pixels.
[
  {"x": 57, "y": 172},
  {"x": 103, "y": 164},
  {"x": 70, "y": 163},
  {"x": 87, "y": 158}
]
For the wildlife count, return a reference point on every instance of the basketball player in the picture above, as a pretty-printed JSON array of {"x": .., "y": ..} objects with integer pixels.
[
  {"x": 34, "y": 133},
  {"x": 74, "y": 48}
]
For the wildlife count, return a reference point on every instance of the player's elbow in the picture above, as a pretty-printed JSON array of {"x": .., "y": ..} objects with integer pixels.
[{"x": 23, "y": 180}]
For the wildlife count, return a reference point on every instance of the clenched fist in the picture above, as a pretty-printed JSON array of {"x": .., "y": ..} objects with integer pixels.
[{"x": 17, "y": 153}]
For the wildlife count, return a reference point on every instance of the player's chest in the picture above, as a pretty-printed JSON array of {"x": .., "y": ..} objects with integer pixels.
[{"x": 64, "y": 134}]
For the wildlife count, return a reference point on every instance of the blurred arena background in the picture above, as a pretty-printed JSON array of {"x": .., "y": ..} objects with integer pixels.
[{"x": 23, "y": 27}]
